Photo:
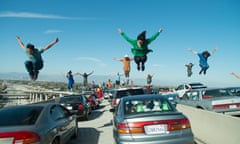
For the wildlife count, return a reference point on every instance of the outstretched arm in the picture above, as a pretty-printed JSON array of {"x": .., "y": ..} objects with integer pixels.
[
  {"x": 20, "y": 42},
  {"x": 125, "y": 36},
  {"x": 90, "y": 73},
  {"x": 153, "y": 37},
  {"x": 51, "y": 44},
  {"x": 118, "y": 59},
  {"x": 214, "y": 50},
  {"x": 193, "y": 51},
  {"x": 237, "y": 76}
]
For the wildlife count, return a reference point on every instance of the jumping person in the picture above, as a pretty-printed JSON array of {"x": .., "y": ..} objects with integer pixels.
[
  {"x": 236, "y": 75},
  {"x": 203, "y": 57},
  {"x": 189, "y": 69},
  {"x": 126, "y": 64},
  {"x": 35, "y": 62},
  {"x": 149, "y": 79},
  {"x": 140, "y": 47},
  {"x": 85, "y": 77}
]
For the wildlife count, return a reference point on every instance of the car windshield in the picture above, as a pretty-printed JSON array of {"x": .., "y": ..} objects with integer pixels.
[
  {"x": 147, "y": 105},
  {"x": 19, "y": 115},
  {"x": 70, "y": 100}
]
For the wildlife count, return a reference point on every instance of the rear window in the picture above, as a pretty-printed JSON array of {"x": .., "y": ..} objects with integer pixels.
[
  {"x": 128, "y": 92},
  {"x": 146, "y": 106},
  {"x": 19, "y": 115},
  {"x": 215, "y": 93},
  {"x": 197, "y": 85},
  {"x": 70, "y": 99}
]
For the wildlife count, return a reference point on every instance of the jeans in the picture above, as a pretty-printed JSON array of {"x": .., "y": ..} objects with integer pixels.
[{"x": 33, "y": 68}]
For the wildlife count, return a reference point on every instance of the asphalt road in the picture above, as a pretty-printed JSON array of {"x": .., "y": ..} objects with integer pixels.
[{"x": 98, "y": 129}]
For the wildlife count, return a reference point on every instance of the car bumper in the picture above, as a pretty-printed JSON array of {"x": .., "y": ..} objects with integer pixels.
[
  {"x": 184, "y": 137},
  {"x": 180, "y": 140}
]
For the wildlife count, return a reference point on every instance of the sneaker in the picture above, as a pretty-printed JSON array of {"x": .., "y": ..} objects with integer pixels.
[
  {"x": 138, "y": 67},
  {"x": 143, "y": 67}
]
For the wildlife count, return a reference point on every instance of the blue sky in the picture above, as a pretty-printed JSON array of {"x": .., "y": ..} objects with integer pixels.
[{"x": 89, "y": 40}]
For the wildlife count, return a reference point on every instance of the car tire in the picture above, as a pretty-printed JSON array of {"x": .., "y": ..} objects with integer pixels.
[
  {"x": 75, "y": 135},
  {"x": 56, "y": 141}
]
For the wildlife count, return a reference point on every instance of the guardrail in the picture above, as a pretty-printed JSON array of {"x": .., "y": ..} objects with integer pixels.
[{"x": 211, "y": 127}]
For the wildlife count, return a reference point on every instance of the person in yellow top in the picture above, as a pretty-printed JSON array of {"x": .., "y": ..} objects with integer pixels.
[{"x": 126, "y": 60}]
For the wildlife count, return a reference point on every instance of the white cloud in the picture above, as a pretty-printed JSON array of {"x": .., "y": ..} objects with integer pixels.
[
  {"x": 95, "y": 60},
  {"x": 52, "y": 31},
  {"x": 36, "y": 15}
]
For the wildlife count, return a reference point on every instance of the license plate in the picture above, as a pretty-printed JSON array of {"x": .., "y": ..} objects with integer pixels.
[
  {"x": 155, "y": 129},
  {"x": 232, "y": 106},
  {"x": 69, "y": 107},
  {"x": 6, "y": 140}
]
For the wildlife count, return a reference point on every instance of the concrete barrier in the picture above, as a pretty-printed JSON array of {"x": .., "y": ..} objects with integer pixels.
[{"x": 211, "y": 127}]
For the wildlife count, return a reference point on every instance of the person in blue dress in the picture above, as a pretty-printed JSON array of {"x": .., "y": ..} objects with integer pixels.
[
  {"x": 70, "y": 78},
  {"x": 203, "y": 59}
]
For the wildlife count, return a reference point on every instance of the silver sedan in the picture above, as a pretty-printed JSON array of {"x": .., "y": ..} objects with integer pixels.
[
  {"x": 150, "y": 119},
  {"x": 37, "y": 123}
]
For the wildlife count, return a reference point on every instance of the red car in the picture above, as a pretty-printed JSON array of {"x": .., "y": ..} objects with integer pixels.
[{"x": 92, "y": 99}]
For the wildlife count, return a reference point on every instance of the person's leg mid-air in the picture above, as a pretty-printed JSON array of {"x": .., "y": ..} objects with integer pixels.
[
  {"x": 29, "y": 68},
  {"x": 143, "y": 60},
  {"x": 137, "y": 61},
  {"x": 205, "y": 70},
  {"x": 36, "y": 67}
]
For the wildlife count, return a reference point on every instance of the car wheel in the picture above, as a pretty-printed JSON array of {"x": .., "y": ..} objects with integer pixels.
[
  {"x": 56, "y": 141},
  {"x": 85, "y": 116},
  {"x": 75, "y": 135}
]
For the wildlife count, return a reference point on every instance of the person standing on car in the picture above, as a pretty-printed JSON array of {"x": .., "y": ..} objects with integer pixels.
[
  {"x": 203, "y": 59},
  {"x": 35, "y": 62},
  {"x": 85, "y": 77},
  {"x": 69, "y": 76},
  {"x": 140, "y": 47},
  {"x": 126, "y": 64}
]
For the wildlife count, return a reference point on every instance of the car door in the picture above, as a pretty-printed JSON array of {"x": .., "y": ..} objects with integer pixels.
[
  {"x": 61, "y": 123},
  {"x": 70, "y": 122},
  {"x": 181, "y": 90}
]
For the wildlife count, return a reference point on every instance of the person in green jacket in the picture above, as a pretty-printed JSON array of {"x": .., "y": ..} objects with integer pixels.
[{"x": 140, "y": 47}]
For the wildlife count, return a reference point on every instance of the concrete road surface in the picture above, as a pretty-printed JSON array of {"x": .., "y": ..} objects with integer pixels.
[{"x": 98, "y": 129}]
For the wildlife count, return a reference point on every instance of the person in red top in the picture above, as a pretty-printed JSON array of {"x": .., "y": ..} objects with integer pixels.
[{"x": 99, "y": 93}]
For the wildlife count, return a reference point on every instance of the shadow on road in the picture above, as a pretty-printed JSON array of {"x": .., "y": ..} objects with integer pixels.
[
  {"x": 106, "y": 124},
  {"x": 86, "y": 135},
  {"x": 95, "y": 114}
]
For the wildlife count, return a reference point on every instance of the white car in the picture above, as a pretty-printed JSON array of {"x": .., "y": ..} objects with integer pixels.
[{"x": 182, "y": 88}]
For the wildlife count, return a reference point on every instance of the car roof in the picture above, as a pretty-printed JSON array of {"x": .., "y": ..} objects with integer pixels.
[{"x": 208, "y": 88}]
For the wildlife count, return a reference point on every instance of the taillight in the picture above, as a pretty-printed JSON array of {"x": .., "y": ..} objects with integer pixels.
[
  {"x": 130, "y": 128},
  {"x": 179, "y": 124},
  {"x": 114, "y": 102},
  {"x": 207, "y": 97},
  {"x": 21, "y": 137},
  {"x": 226, "y": 106},
  {"x": 80, "y": 107},
  {"x": 138, "y": 127}
]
